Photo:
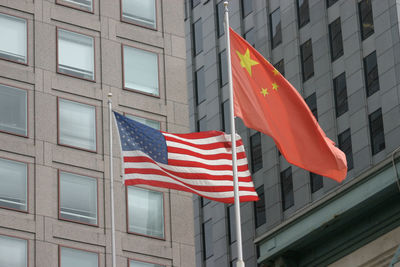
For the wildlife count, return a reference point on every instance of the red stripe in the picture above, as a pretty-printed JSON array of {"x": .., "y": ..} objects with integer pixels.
[
  {"x": 176, "y": 150},
  {"x": 182, "y": 188}
]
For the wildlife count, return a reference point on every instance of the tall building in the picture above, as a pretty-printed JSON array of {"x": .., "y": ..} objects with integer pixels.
[
  {"x": 59, "y": 59},
  {"x": 343, "y": 58}
]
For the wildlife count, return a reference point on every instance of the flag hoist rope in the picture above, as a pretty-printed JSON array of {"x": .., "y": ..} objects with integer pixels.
[
  {"x": 111, "y": 182},
  {"x": 240, "y": 262}
]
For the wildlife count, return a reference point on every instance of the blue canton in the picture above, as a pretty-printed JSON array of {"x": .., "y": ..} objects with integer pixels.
[{"x": 137, "y": 136}]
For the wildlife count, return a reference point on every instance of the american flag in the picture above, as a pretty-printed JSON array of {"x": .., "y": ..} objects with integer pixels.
[{"x": 200, "y": 163}]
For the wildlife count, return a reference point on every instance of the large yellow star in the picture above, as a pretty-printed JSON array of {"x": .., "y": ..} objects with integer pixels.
[
  {"x": 245, "y": 60},
  {"x": 275, "y": 86},
  {"x": 264, "y": 91}
]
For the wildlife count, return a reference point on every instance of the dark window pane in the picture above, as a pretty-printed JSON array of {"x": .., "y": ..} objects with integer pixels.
[
  {"x": 275, "y": 28},
  {"x": 366, "y": 19},
  {"x": 250, "y": 37},
  {"x": 312, "y": 104},
  {"x": 335, "y": 36},
  {"x": 195, "y": 3},
  {"x": 376, "y": 131},
  {"x": 200, "y": 85},
  {"x": 307, "y": 62},
  {"x": 220, "y": 18},
  {"x": 340, "y": 90},
  {"x": 247, "y": 7},
  {"x": 303, "y": 12},
  {"x": 256, "y": 153},
  {"x": 197, "y": 37},
  {"x": 345, "y": 145},
  {"x": 223, "y": 68},
  {"x": 330, "y": 2},
  {"x": 287, "y": 188},
  {"x": 280, "y": 66},
  {"x": 204, "y": 201},
  {"x": 226, "y": 118},
  {"x": 371, "y": 74},
  {"x": 316, "y": 182},
  {"x": 259, "y": 208},
  {"x": 231, "y": 224},
  {"x": 207, "y": 239},
  {"x": 202, "y": 124}
]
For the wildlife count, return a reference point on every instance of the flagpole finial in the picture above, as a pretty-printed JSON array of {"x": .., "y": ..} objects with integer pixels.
[
  {"x": 226, "y": 3},
  {"x": 110, "y": 95}
]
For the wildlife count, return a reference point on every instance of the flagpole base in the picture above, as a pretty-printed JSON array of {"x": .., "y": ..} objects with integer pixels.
[{"x": 240, "y": 264}]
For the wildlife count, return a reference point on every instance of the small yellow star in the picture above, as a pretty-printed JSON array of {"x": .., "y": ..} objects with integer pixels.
[
  {"x": 245, "y": 60},
  {"x": 264, "y": 91},
  {"x": 275, "y": 86},
  {"x": 275, "y": 71}
]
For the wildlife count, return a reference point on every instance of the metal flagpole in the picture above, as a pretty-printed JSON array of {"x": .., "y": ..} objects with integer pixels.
[
  {"x": 111, "y": 182},
  {"x": 240, "y": 262}
]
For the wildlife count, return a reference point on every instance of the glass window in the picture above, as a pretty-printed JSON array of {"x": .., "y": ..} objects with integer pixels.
[
  {"x": 247, "y": 7},
  {"x": 204, "y": 201},
  {"x": 81, "y": 4},
  {"x": 371, "y": 74},
  {"x": 376, "y": 131},
  {"x": 13, "y": 110},
  {"x": 145, "y": 212},
  {"x": 275, "y": 28},
  {"x": 312, "y": 104},
  {"x": 336, "y": 42},
  {"x": 280, "y": 66},
  {"x": 231, "y": 223},
  {"x": 330, "y": 2},
  {"x": 345, "y": 145},
  {"x": 303, "y": 12},
  {"x": 226, "y": 118},
  {"x": 207, "y": 239},
  {"x": 259, "y": 208},
  {"x": 202, "y": 124},
  {"x": 256, "y": 152},
  {"x": 13, "y": 38},
  {"x": 316, "y": 182},
  {"x": 142, "y": 12},
  {"x": 78, "y": 198},
  {"x": 197, "y": 37},
  {"x": 13, "y": 252},
  {"x": 340, "y": 90},
  {"x": 250, "y": 36},
  {"x": 366, "y": 18},
  {"x": 75, "y": 54},
  {"x": 70, "y": 257},
  {"x": 77, "y": 124},
  {"x": 200, "y": 85},
  {"x": 151, "y": 123},
  {"x": 220, "y": 18},
  {"x": 307, "y": 62},
  {"x": 223, "y": 68},
  {"x": 133, "y": 263},
  {"x": 141, "y": 70},
  {"x": 13, "y": 181},
  {"x": 195, "y": 3},
  {"x": 287, "y": 188}
]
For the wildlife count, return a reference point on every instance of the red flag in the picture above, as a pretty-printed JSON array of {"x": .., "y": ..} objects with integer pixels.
[{"x": 268, "y": 103}]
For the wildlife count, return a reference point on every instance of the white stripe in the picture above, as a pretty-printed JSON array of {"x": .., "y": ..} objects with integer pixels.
[
  {"x": 212, "y": 162},
  {"x": 221, "y": 150},
  {"x": 205, "y": 140}
]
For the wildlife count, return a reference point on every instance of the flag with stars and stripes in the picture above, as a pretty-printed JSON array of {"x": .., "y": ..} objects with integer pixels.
[{"x": 200, "y": 163}]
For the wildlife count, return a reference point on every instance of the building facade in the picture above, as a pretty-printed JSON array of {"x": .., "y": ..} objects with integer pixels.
[
  {"x": 343, "y": 58},
  {"x": 59, "y": 60}
]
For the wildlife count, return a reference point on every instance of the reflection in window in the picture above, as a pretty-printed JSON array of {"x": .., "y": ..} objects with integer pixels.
[
  {"x": 307, "y": 62},
  {"x": 151, "y": 123},
  {"x": 13, "y": 185},
  {"x": 13, "y": 252},
  {"x": 366, "y": 18},
  {"x": 336, "y": 42},
  {"x": 13, "y": 110},
  {"x": 70, "y": 257},
  {"x": 142, "y": 12},
  {"x": 13, "y": 38}
]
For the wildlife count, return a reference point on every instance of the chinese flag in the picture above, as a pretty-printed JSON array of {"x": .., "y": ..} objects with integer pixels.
[{"x": 268, "y": 103}]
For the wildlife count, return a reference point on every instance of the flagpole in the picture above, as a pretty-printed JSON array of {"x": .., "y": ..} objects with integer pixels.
[
  {"x": 111, "y": 182},
  {"x": 240, "y": 262}
]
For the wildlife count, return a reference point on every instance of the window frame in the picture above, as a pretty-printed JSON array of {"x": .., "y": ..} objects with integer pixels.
[
  {"x": 27, "y": 111},
  {"x": 252, "y": 150},
  {"x": 303, "y": 62},
  {"x": 339, "y": 53},
  {"x": 198, "y": 123},
  {"x": 81, "y": 249},
  {"x": 220, "y": 29},
  {"x": 278, "y": 64},
  {"x": 203, "y": 241},
  {"x": 244, "y": 15},
  {"x": 305, "y": 22},
  {"x": 284, "y": 208},
  {"x": 274, "y": 43},
  {"x": 75, "y": 6},
  {"x": 94, "y": 55},
  {"x": 27, "y": 245},
  {"x": 138, "y": 24},
  {"x": 340, "y": 146},
  {"x": 336, "y": 95},
  {"x": 164, "y": 238},
  {"x": 27, "y": 40},
  {"x": 58, "y": 125},
  {"x": 149, "y": 262},
  {"x": 158, "y": 74},
  {"x": 27, "y": 185},
  {"x": 263, "y": 220},
  {"x": 193, "y": 41},
  {"x": 368, "y": 86},
  {"x": 376, "y": 151},
  {"x": 364, "y": 35},
  {"x": 59, "y": 171},
  {"x": 196, "y": 87},
  {"x": 313, "y": 177}
]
